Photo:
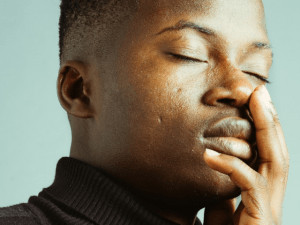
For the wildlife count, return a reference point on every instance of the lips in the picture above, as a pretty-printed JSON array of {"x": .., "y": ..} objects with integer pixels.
[{"x": 231, "y": 136}]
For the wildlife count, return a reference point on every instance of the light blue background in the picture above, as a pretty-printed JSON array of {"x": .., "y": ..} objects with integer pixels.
[{"x": 34, "y": 131}]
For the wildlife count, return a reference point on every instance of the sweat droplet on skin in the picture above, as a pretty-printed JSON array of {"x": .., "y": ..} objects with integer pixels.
[{"x": 159, "y": 119}]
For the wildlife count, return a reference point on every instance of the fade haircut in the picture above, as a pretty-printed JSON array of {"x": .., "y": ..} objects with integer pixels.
[{"x": 84, "y": 24}]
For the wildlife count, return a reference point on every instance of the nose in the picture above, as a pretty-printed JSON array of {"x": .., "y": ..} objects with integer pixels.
[{"x": 234, "y": 92}]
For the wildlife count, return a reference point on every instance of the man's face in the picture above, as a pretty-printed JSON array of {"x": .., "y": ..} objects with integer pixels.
[{"x": 179, "y": 69}]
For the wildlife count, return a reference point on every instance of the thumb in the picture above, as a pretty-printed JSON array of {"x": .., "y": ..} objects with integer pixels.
[{"x": 220, "y": 213}]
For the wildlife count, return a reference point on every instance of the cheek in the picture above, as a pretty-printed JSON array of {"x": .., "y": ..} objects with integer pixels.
[
  {"x": 163, "y": 125},
  {"x": 164, "y": 102}
]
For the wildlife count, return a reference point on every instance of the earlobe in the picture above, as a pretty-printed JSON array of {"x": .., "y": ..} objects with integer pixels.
[{"x": 72, "y": 89}]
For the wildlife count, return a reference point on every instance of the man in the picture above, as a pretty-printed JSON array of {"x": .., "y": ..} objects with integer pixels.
[{"x": 169, "y": 114}]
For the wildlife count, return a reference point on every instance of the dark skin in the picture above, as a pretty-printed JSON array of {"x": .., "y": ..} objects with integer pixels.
[{"x": 175, "y": 109}]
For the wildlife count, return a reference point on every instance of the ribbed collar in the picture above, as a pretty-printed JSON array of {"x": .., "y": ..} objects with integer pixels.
[{"x": 89, "y": 192}]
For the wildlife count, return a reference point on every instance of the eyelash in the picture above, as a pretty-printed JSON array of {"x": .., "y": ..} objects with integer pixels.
[
  {"x": 258, "y": 77},
  {"x": 185, "y": 58},
  {"x": 189, "y": 59}
]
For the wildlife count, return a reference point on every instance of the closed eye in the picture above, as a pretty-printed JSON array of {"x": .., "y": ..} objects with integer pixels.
[
  {"x": 258, "y": 76},
  {"x": 185, "y": 58}
]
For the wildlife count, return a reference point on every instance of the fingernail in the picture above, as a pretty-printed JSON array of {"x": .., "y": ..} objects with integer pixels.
[{"x": 212, "y": 152}]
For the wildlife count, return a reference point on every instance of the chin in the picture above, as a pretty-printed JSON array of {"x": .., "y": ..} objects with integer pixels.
[
  {"x": 221, "y": 187},
  {"x": 209, "y": 186},
  {"x": 200, "y": 197}
]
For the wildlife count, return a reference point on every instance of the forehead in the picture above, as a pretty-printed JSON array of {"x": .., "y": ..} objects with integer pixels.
[{"x": 234, "y": 20}]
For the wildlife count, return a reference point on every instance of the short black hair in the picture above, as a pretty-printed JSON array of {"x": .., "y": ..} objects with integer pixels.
[{"x": 80, "y": 18}]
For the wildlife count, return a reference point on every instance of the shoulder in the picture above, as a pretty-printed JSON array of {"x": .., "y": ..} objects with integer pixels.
[{"x": 17, "y": 215}]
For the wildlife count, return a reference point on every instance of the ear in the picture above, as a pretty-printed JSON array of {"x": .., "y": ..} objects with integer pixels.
[{"x": 72, "y": 87}]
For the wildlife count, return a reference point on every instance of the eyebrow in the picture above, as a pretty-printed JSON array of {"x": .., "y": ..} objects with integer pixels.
[
  {"x": 186, "y": 24},
  {"x": 261, "y": 45},
  {"x": 182, "y": 24}
]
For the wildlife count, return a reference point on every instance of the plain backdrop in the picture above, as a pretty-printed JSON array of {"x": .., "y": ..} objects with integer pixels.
[{"x": 34, "y": 130}]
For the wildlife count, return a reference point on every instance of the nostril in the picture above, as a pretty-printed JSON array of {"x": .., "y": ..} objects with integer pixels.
[{"x": 227, "y": 101}]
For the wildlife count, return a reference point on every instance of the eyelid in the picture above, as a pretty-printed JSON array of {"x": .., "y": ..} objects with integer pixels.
[
  {"x": 186, "y": 58},
  {"x": 258, "y": 76}
]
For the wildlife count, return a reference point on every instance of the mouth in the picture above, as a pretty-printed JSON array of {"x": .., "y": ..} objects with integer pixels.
[{"x": 232, "y": 136}]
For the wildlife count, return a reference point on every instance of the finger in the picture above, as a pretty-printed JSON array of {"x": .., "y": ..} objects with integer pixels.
[
  {"x": 254, "y": 187},
  {"x": 220, "y": 213},
  {"x": 239, "y": 172},
  {"x": 269, "y": 147},
  {"x": 270, "y": 141},
  {"x": 272, "y": 148},
  {"x": 270, "y": 107}
]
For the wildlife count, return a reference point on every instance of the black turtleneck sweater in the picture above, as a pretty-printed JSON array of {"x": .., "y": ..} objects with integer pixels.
[{"x": 81, "y": 195}]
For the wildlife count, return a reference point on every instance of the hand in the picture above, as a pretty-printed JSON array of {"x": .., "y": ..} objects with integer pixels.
[{"x": 262, "y": 191}]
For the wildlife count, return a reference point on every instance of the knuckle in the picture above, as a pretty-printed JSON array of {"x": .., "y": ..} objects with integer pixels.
[
  {"x": 269, "y": 125},
  {"x": 272, "y": 125},
  {"x": 276, "y": 119},
  {"x": 236, "y": 163}
]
